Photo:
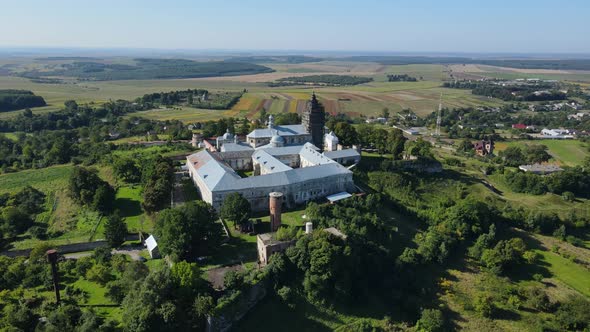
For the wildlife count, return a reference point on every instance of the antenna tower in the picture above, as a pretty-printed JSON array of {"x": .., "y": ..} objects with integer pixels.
[{"x": 438, "y": 118}]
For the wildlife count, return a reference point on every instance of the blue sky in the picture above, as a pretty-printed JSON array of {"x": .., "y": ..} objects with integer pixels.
[{"x": 517, "y": 26}]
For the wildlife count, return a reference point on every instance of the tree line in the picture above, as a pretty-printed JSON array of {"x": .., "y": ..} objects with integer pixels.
[
  {"x": 11, "y": 100},
  {"x": 401, "y": 78}
]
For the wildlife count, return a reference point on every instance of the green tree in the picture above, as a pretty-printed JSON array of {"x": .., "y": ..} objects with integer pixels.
[
  {"x": 420, "y": 149},
  {"x": 126, "y": 170},
  {"x": 396, "y": 142},
  {"x": 115, "y": 230},
  {"x": 100, "y": 274},
  {"x": 346, "y": 133},
  {"x": 431, "y": 320},
  {"x": 236, "y": 209},
  {"x": 187, "y": 277},
  {"x": 573, "y": 313},
  {"x": 20, "y": 317},
  {"x": 465, "y": 146},
  {"x": 188, "y": 231}
]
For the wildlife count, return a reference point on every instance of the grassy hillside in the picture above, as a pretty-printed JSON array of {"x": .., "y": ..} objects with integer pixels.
[{"x": 565, "y": 152}]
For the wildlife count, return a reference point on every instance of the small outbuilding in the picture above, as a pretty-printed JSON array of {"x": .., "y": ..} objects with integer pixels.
[{"x": 152, "y": 247}]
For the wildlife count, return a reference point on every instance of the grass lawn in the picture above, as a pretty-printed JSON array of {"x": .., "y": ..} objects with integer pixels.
[
  {"x": 565, "y": 152},
  {"x": 98, "y": 301},
  {"x": 572, "y": 274},
  {"x": 128, "y": 202}
]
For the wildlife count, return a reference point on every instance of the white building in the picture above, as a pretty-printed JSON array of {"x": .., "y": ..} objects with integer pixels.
[
  {"x": 152, "y": 247},
  {"x": 557, "y": 133}
]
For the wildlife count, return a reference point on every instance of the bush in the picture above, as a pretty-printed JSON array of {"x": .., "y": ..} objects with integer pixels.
[
  {"x": 568, "y": 196},
  {"x": 38, "y": 232},
  {"x": 286, "y": 294},
  {"x": 99, "y": 273},
  {"x": 575, "y": 241},
  {"x": 537, "y": 299},
  {"x": 484, "y": 305},
  {"x": 431, "y": 320}
]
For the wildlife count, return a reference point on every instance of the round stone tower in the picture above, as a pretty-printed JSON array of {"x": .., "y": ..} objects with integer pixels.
[{"x": 275, "y": 206}]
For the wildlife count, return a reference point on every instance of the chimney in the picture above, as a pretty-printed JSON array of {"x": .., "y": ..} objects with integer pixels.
[
  {"x": 308, "y": 227},
  {"x": 275, "y": 205}
]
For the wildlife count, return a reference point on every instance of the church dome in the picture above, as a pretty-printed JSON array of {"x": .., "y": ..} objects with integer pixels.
[
  {"x": 228, "y": 135},
  {"x": 277, "y": 139}
]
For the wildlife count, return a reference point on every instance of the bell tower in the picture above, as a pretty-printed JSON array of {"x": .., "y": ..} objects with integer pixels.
[{"x": 314, "y": 121}]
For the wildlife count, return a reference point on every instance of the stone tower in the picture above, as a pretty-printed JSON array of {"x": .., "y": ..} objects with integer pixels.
[
  {"x": 314, "y": 121},
  {"x": 275, "y": 205}
]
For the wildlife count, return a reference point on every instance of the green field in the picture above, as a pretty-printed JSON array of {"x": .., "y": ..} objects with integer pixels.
[
  {"x": 566, "y": 152},
  {"x": 184, "y": 114},
  {"x": 46, "y": 179},
  {"x": 572, "y": 274}
]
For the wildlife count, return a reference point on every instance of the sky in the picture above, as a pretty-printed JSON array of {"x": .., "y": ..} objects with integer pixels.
[{"x": 492, "y": 26}]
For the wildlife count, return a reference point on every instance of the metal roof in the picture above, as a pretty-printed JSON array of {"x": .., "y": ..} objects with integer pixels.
[
  {"x": 338, "y": 196},
  {"x": 211, "y": 170},
  {"x": 310, "y": 153},
  {"x": 268, "y": 162},
  {"x": 286, "y": 130},
  {"x": 231, "y": 147},
  {"x": 151, "y": 243},
  {"x": 346, "y": 153},
  {"x": 218, "y": 176},
  {"x": 281, "y": 151}
]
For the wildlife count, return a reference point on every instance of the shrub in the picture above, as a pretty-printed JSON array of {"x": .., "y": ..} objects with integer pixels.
[
  {"x": 99, "y": 273},
  {"x": 431, "y": 320},
  {"x": 484, "y": 305}
]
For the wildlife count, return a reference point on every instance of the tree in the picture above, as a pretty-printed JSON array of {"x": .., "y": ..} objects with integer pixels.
[
  {"x": 158, "y": 181},
  {"x": 16, "y": 221},
  {"x": 236, "y": 209},
  {"x": 188, "y": 231},
  {"x": 189, "y": 99},
  {"x": 187, "y": 277},
  {"x": 573, "y": 313},
  {"x": 20, "y": 317},
  {"x": 126, "y": 170},
  {"x": 379, "y": 139},
  {"x": 102, "y": 255},
  {"x": 346, "y": 133},
  {"x": 115, "y": 230},
  {"x": 504, "y": 254},
  {"x": 103, "y": 199},
  {"x": 431, "y": 320},
  {"x": 87, "y": 188},
  {"x": 484, "y": 305},
  {"x": 385, "y": 113},
  {"x": 396, "y": 141},
  {"x": 100, "y": 274},
  {"x": 465, "y": 146},
  {"x": 420, "y": 149}
]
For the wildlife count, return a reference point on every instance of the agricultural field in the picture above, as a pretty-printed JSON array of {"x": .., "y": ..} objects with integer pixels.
[
  {"x": 564, "y": 152},
  {"x": 474, "y": 71}
]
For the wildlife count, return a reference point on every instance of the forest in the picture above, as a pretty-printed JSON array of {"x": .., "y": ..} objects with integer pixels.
[
  {"x": 145, "y": 68},
  {"x": 199, "y": 98},
  {"x": 332, "y": 80},
  {"x": 537, "y": 92},
  {"x": 11, "y": 100}
]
